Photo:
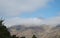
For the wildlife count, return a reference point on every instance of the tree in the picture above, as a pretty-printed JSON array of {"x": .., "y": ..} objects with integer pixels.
[
  {"x": 4, "y": 33},
  {"x": 14, "y": 36},
  {"x": 22, "y": 37},
  {"x": 34, "y": 36}
]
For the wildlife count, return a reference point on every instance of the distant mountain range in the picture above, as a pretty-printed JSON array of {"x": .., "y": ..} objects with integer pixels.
[{"x": 43, "y": 31}]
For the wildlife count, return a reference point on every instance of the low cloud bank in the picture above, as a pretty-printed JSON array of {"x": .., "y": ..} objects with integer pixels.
[{"x": 32, "y": 21}]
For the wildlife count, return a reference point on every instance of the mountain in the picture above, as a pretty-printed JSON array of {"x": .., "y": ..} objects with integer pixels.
[
  {"x": 58, "y": 25},
  {"x": 21, "y": 30},
  {"x": 42, "y": 31},
  {"x": 53, "y": 32}
]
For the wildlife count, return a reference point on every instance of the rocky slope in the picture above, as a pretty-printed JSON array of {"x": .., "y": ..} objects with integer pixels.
[{"x": 43, "y": 31}]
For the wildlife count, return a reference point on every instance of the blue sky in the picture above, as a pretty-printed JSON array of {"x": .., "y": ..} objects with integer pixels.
[
  {"x": 54, "y": 10},
  {"x": 30, "y": 11},
  {"x": 50, "y": 10}
]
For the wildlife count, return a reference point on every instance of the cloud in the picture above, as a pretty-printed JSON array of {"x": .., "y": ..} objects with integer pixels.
[
  {"x": 52, "y": 21},
  {"x": 32, "y": 21},
  {"x": 23, "y": 21},
  {"x": 16, "y": 7}
]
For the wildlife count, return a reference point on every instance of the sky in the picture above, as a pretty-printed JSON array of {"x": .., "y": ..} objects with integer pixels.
[{"x": 30, "y": 12}]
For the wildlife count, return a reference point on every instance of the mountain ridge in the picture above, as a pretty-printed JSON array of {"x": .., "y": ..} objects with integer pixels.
[{"x": 40, "y": 31}]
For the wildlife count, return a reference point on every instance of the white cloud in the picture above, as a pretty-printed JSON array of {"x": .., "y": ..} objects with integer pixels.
[
  {"x": 15, "y": 7},
  {"x": 32, "y": 21},
  {"x": 23, "y": 21},
  {"x": 52, "y": 21}
]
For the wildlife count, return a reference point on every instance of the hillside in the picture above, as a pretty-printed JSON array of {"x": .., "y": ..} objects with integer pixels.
[{"x": 43, "y": 31}]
